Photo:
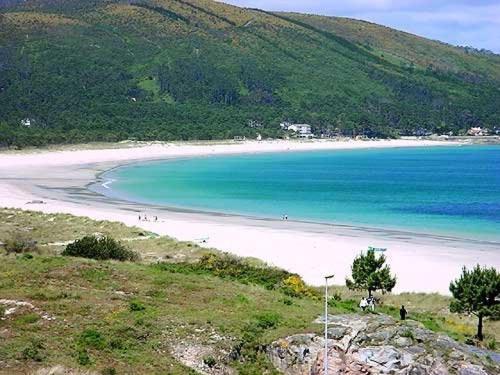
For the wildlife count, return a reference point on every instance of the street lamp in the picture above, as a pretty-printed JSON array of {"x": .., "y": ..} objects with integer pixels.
[{"x": 325, "y": 361}]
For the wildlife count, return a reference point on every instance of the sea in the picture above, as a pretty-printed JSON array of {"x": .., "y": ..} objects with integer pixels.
[{"x": 448, "y": 191}]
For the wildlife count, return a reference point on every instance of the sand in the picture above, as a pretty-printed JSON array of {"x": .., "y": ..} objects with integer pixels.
[{"x": 422, "y": 262}]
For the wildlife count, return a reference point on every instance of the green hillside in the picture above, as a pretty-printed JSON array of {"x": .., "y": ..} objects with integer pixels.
[
  {"x": 85, "y": 316},
  {"x": 109, "y": 70}
]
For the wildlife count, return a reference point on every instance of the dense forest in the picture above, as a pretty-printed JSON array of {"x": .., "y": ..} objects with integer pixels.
[{"x": 107, "y": 70}]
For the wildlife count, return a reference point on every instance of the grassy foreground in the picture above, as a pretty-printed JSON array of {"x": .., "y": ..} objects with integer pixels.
[{"x": 122, "y": 317}]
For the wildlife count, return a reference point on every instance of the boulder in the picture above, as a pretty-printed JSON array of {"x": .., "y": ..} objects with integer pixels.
[{"x": 377, "y": 344}]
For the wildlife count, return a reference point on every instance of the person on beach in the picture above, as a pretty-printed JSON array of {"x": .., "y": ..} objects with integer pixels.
[
  {"x": 156, "y": 218},
  {"x": 363, "y": 304},
  {"x": 145, "y": 218},
  {"x": 139, "y": 217},
  {"x": 403, "y": 312}
]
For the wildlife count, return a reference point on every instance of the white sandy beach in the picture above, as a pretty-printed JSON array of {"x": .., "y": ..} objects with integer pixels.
[{"x": 423, "y": 263}]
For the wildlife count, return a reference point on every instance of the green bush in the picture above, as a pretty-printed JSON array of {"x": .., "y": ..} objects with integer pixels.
[
  {"x": 20, "y": 245},
  {"x": 268, "y": 320},
  {"x": 209, "y": 361},
  {"x": 91, "y": 338},
  {"x": 137, "y": 306},
  {"x": 100, "y": 248},
  {"x": 491, "y": 344},
  {"x": 83, "y": 358},
  {"x": 408, "y": 333},
  {"x": 231, "y": 267},
  {"x": 33, "y": 351}
]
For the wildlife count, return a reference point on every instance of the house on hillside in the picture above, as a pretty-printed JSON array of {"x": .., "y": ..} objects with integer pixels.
[
  {"x": 477, "y": 131},
  {"x": 27, "y": 122},
  {"x": 301, "y": 130}
]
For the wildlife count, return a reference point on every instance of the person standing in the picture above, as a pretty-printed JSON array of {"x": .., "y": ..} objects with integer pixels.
[
  {"x": 363, "y": 304},
  {"x": 403, "y": 312}
]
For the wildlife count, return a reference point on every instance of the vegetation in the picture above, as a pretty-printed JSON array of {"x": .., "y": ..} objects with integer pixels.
[
  {"x": 477, "y": 292},
  {"x": 19, "y": 244},
  {"x": 369, "y": 273},
  {"x": 110, "y": 70},
  {"x": 103, "y": 248},
  {"x": 235, "y": 268},
  {"x": 193, "y": 297}
]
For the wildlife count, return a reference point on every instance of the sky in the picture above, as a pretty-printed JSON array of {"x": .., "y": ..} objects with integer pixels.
[{"x": 474, "y": 23}]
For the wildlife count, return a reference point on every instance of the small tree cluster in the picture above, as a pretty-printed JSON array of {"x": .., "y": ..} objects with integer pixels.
[
  {"x": 477, "y": 292},
  {"x": 100, "y": 248},
  {"x": 369, "y": 273}
]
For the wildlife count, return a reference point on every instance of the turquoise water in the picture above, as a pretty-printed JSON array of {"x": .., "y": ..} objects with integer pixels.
[{"x": 439, "y": 190}]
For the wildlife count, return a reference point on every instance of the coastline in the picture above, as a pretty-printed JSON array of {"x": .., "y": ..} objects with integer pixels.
[{"x": 62, "y": 178}]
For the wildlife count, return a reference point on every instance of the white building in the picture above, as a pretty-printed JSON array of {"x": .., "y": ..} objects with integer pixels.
[
  {"x": 302, "y": 130},
  {"x": 27, "y": 122},
  {"x": 477, "y": 131}
]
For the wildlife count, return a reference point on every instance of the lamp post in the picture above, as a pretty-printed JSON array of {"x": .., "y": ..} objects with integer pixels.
[{"x": 325, "y": 361}]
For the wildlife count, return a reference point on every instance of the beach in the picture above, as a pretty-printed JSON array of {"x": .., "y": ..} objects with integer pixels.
[{"x": 61, "y": 179}]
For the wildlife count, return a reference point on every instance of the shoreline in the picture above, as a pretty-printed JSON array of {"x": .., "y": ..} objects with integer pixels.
[{"x": 62, "y": 180}]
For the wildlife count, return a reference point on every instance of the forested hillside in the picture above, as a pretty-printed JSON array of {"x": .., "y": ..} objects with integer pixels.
[{"x": 86, "y": 70}]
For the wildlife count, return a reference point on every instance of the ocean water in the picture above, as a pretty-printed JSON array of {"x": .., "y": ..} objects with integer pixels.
[{"x": 451, "y": 191}]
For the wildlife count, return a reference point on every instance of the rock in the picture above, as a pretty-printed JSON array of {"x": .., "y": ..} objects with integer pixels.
[
  {"x": 337, "y": 333},
  {"x": 61, "y": 370},
  {"x": 196, "y": 356},
  {"x": 468, "y": 369},
  {"x": 403, "y": 341},
  {"x": 377, "y": 344}
]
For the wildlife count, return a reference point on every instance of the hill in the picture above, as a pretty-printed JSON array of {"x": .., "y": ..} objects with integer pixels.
[
  {"x": 183, "y": 306},
  {"x": 110, "y": 70}
]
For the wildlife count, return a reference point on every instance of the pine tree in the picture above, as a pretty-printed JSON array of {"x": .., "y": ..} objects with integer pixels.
[
  {"x": 369, "y": 273},
  {"x": 477, "y": 292}
]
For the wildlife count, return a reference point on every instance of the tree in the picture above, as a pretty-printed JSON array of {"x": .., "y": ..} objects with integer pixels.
[
  {"x": 477, "y": 292},
  {"x": 369, "y": 273}
]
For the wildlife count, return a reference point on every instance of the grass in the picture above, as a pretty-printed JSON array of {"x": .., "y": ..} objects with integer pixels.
[
  {"x": 154, "y": 309},
  {"x": 125, "y": 317},
  {"x": 432, "y": 310},
  {"x": 39, "y": 227}
]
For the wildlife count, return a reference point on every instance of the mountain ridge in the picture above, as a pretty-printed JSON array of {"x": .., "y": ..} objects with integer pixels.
[{"x": 178, "y": 69}]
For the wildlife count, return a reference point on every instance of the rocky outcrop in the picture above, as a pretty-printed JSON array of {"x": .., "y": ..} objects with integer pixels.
[{"x": 377, "y": 344}]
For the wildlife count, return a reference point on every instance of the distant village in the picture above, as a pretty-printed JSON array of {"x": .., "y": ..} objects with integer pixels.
[{"x": 305, "y": 131}]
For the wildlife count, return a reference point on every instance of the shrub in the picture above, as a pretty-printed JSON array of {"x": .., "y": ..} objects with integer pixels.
[
  {"x": 294, "y": 286},
  {"x": 33, "y": 351},
  {"x": 137, "y": 306},
  {"x": 92, "y": 339},
  {"x": 268, "y": 320},
  {"x": 491, "y": 344},
  {"x": 100, "y": 248},
  {"x": 408, "y": 333},
  {"x": 209, "y": 361},
  {"x": 19, "y": 245},
  {"x": 83, "y": 358},
  {"x": 238, "y": 269},
  {"x": 337, "y": 296}
]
